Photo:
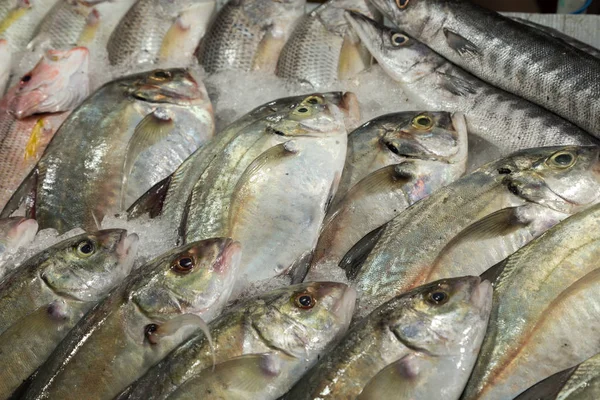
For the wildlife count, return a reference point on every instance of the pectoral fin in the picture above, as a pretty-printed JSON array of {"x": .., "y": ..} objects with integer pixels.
[
  {"x": 460, "y": 44},
  {"x": 357, "y": 255},
  {"x": 25, "y": 192},
  {"x": 354, "y": 58},
  {"x": 152, "y": 201},
  {"x": 268, "y": 51},
  {"x": 396, "y": 381}
]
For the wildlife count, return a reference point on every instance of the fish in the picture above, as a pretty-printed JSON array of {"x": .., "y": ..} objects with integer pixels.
[
  {"x": 19, "y": 20},
  {"x": 411, "y": 155},
  {"x": 503, "y": 122},
  {"x": 289, "y": 328},
  {"x": 474, "y": 223},
  {"x": 140, "y": 322},
  {"x": 34, "y": 109},
  {"x": 5, "y": 63},
  {"x": 420, "y": 345},
  {"x": 42, "y": 299},
  {"x": 579, "y": 382},
  {"x": 512, "y": 56},
  {"x": 153, "y": 29},
  {"x": 545, "y": 301},
  {"x": 248, "y": 35},
  {"x": 15, "y": 232},
  {"x": 99, "y": 160},
  {"x": 322, "y": 49}
]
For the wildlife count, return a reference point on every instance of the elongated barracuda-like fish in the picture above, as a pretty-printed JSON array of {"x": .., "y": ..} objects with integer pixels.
[
  {"x": 507, "y": 54},
  {"x": 504, "y": 121}
]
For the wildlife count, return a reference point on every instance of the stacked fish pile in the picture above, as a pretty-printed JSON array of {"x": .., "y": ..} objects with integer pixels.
[{"x": 149, "y": 250}]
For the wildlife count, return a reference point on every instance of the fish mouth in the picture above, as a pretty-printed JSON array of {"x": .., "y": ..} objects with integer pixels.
[
  {"x": 24, "y": 232},
  {"x": 23, "y": 105},
  {"x": 383, "y": 6},
  {"x": 365, "y": 28}
]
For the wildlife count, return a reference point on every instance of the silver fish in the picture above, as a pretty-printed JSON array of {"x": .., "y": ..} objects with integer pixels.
[
  {"x": 20, "y": 18},
  {"x": 507, "y": 54},
  {"x": 5, "y": 63},
  {"x": 505, "y": 122}
]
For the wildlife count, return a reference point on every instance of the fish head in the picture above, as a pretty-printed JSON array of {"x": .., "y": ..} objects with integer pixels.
[
  {"x": 565, "y": 178},
  {"x": 405, "y": 12},
  {"x": 168, "y": 86},
  {"x": 88, "y": 266},
  {"x": 16, "y": 232},
  {"x": 302, "y": 320},
  {"x": 435, "y": 136},
  {"x": 399, "y": 55},
  {"x": 442, "y": 317},
  {"x": 59, "y": 82},
  {"x": 196, "y": 279},
  {"x": 314, "y": 116}
]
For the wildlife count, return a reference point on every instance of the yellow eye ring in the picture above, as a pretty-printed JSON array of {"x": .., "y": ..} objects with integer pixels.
[
  {"x": 184, "y": 265},
  {"x": 562, "y": 159},
  {"x": 313, "y": 100},
  {"x": 161, "y": 75},
  {"x": 422, "y": 122},
  {"x": 305, "y": 301},
  {"x": 399, "y": 39},
  {"x": 402, "y": 3}
]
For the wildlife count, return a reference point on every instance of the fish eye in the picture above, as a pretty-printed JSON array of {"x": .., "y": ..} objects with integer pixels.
[
  {"x": 422, "y": 122},
  {"x": 313, "y": 100},
  {"x": 402, "y": 3},
  {"x": 161, "y": 75},
  {"x": 399, "y": 39},
  {"x": 85, "y": 248},
  {"x": 437, "y": 297},
  {"x": 563, "y": 159},
  {"x": 302, "y": 110},
  {"x": 183, "y": 265},
  {"x": 149, "y": 332},
  {"x": 305, "y": 301},
  {"x": 25, "y": 79}
]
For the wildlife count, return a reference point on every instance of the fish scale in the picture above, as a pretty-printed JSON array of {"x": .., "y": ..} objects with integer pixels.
[
  {"x": 17, "y": 26},
  {"x": 63, "y": 25}
]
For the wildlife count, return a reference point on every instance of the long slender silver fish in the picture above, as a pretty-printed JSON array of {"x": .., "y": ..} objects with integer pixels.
[
  {"x": 504, "y": 121},
  {"x": 127, "y": 136},
  {"x": 546, "y": 306},
  {"x": 414, "y": 160},
  {"x": 140, "y": 322},
  {"x": 475, "y": 222},
  {"x": 322, "y": 49},
  {"x": 47, "y": 295},
  {"x": 420, "y": 345},
  {"x": 249, "y": 34},
  {"x": 507, "y": 54},
  {"x": 288, "y": 329}
]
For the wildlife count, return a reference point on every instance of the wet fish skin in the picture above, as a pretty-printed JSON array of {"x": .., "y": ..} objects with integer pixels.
[
  {"x": 505, "y": 122},
  {"x": 272, "y": 324},
  {"x": 507, "y": 54},
  {"x": 20, "y": 18},
  {"x": 529, "y": 340},
  {"x": 248, "y": 35},
  {"x": 415, "y": 157},
  {"x": 54, "y": 87},
  {"x": 580, "y": 382},
  {"x": 475, "y": 222},
  {"x": 157, "y": 115},
  {"x": 411, "y": 347},
  {"x": 5, "y": 63},
  {"x": 141, "y": 33},
  {"x": 322, "y": 49},
  {"x": 140, "y": 322}
]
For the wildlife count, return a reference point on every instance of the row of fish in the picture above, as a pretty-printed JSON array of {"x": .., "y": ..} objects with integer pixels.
[{"x": 304, "y": 253}]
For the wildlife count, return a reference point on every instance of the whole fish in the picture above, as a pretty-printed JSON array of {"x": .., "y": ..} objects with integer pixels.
[
  {"x": 546, "y": 300},
  {"x": 155, "y": 29},
  {"x": 5, "y": 63},
  {"x": 127, "y": 136},
  {"x": 578, "y": 383},
  {"x": 420, "y": 345},
  {"x": 504, "y": 121},
  {"x": 140, "y": 322},
  {"x": 19, "y": 20},
  {"x": 415, "y": 157},
  {"x": 248, "y": 35},
  {"x": 271, "y": 339},
  {"x": 322, "y": 49},
  {"x": 33, "y": 110},
  {"x": 43, "y": 299},
  {"x": 507, "y": 54},
  {"x": 475, "y": 222},
  {"x": 15, "y": 233}
]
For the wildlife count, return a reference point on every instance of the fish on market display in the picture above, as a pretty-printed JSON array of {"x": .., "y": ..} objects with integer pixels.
[
  {"x": 20, "y": 18},
  {"x": 272, "y": 338},
  {"x": 155, "y": 30},
  {"x": 420, "y": 345},
  {"x": 401, "y": 159},
  {"x": 34, "y": 109},
  {"x": 140, "y": 322},
  {"x": 5, "y": 63},
  {"x": 45, "y": 297},
  {"x": 546, "y": 306},
  {"x": 127, "y": 136},
  {"x": 507, "y": 54},
  {"x": 475, "y": 222},
  {"x": 248, "y": 35},
  {"x": 15, "y": 232},
  {"x": 505, "y": 122},
  {"x": 323, "y": 49}
]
